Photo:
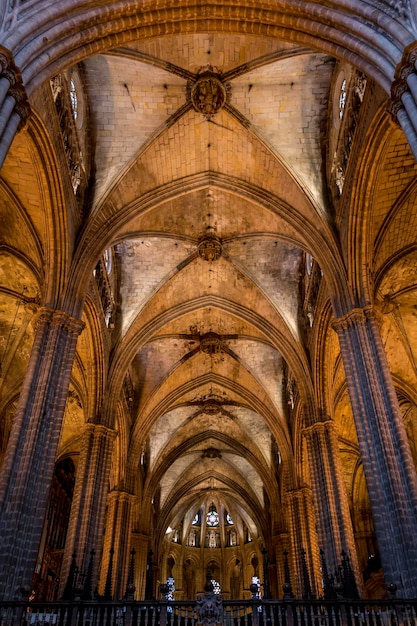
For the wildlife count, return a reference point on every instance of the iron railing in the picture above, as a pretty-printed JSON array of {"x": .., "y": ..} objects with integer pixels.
[{"x": 232, "y": 613}]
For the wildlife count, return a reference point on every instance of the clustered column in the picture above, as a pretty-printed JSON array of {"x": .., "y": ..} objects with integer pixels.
[
  {"x": 305, "y": 550},
  {"x": 14, "y": 106},
  {"x": 87, "y": 519},
  {"x": 31, "y": 452},
  {"x": 404, "y": 95},
  {"x": 330, "y": 498},
  {"x": 141, "y": 543},
  {"x": 387, "y": 462},
  {"x": 118, "y": 539},
  {"x": 281, "y": 547}
]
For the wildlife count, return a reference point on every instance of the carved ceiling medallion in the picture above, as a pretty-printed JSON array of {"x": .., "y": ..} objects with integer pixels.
[
  {"x": 211, "y": 343},
  {"x": 211, "y": 453},
  {"x": 211, "y": 407},
  {"x": 209, "y": 246},
  {"x": 208, "y": 94}
]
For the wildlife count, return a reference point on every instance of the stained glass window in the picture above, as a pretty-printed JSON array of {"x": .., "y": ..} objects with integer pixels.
[
  {"x": 212, "y": 517},
  {"x": 216, "y": 587},
  {"x": 342, "y": 98},
  {"x": 74, "y": 99}
]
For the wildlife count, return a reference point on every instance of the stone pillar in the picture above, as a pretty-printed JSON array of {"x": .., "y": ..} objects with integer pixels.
[
  {"x": 303, "y": 535},
  {"x": 117, "y": 537},
  {"x": 281, "y": 543},
  {"x": 141, "y": 543},
  {"x": 403, "y": 106},
  {"x": 387, "y": 462},
  {"x": 335, "y": 530},
  {"x": 14, "y": 106},
  {"x": 86, "y": 524},
  {"x": 30, "y": 456}
]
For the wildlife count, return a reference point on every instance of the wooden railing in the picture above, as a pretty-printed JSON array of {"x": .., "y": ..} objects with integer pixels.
[{"x": 231, "y": 613}]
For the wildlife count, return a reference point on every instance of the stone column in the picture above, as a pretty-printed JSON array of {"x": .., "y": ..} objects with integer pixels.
[
  {"x": 387, "y": 462},
  {"x": 141, "y": 543},
  {"x": 86, "y": 524},
  {"x": 331, "y": 504},
  {"x": 30, "y": 456},
  {"x": 117, "y": 537},
  {"x": 303, "y": 535},
  {"x": 14, "y": 106},
  {"x": 404, "y": 95},
  {"x": 281, "y": 544}
]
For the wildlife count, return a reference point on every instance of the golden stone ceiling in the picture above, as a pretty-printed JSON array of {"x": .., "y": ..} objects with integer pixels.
[
  {"x": 191, "y": 331},
  {"x": 208, "y": 342}
]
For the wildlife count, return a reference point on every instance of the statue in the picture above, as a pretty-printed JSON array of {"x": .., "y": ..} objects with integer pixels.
[
  {"x": 189, "y": 580},
  {"x": 235, "y": 580},
  {"x": 192, "y": 538},
  {"x": 212, "y": 543}
]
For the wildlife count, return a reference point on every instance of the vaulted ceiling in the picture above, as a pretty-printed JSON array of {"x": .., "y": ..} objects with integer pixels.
[
  {"x": 208, "y": 338},
  {"x": 208, "y": 157}
]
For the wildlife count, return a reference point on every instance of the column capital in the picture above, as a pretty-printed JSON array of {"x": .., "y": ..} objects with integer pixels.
[
  {"x": 407, "y": 64},
  {"x": 10, "y": 71},
  {"x": 318, "y": 427},
  {"x": 300, "y": 492},
  {"x": 400, "y": 86},
  {"x": 140, "y": 536},
  {"x": 100, "y": 429},
  {"x": 122, "y": 496},
  {"x": 354, "y": 317},
  {"x": 54, "y": 317}
]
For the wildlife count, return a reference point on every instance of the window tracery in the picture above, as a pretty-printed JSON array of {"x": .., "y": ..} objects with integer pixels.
[
  {"x": 74, "y": 99},
  {"x": 348, "y": 98},
  {"x": 212, "y": 518},
  {"x": 102, "y": 275},
  {"x": 342, "y": 98},
  {"x": 310, "y": 289},
  {"x": 67, "y": 97}
]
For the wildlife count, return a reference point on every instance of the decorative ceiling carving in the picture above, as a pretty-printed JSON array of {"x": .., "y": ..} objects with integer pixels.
[{"x": 209, "y": 94}]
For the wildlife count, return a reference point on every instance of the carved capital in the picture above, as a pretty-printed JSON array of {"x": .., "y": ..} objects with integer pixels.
[
  {"x": 7, "y": 66},
  {"x": 354, "y": 317},
  {"x": 393, "y": 107},
  {"x": 408, "y": 61},
  {"x": 318, "y": 427},
  {"x": 100, "y": 430},
  {"x": 301, "y": 494},
  {"x": 22, "y": 106},
  {"x": 398, "y": 89},
  {"x": 404, "y": 69},
  {"x": 9, "y": 70},
  {"x": 58, "y": 318}
]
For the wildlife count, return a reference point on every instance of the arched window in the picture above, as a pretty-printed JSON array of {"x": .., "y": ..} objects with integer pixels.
[
  {"x": 342, "y": 98},
  {"x": 216, "y": 587},
  {"x": 212, "y": 516},
  {"x": 74, "y": 99}
]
